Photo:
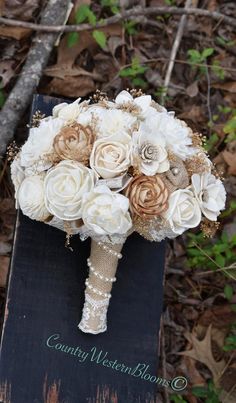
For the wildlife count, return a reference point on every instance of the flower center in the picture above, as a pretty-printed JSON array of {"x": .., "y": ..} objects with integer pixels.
[{"x": 149, "y": 152}]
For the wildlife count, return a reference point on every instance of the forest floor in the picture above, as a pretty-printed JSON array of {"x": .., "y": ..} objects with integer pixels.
[{"x": 198, "y": 337}]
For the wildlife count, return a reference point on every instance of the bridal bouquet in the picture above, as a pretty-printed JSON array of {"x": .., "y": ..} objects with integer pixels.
[{"x": 104, "y": 169}]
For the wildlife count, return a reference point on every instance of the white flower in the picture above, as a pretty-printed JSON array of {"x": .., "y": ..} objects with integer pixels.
[
  {"x": 150, "y": 151},
  {"x": 64, "y": 186},
  {"x": 113, "y": 121},
  {"x": 40, "y": 143},
  {"x": 110, "y": 156},
  {"x": 31, "y": 198},
  {"x": 17, "y": 174},
  {"x": 143, "y": 102},
  {"x": 183, "y": 212},
  {"x": 210, "y": 194},
  {"x": 69, "y": 112},
  {"x": 105, "y": 212},
  {"x": 175, "y": 132}
]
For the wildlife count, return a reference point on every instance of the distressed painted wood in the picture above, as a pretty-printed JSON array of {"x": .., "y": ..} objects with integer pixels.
[{"x": 44, "y": 304}]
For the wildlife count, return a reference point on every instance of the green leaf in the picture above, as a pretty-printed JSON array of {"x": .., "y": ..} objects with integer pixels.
[
  {"x": 199, "y": 391},
  {"x": 82, "y": 13},
  {"x": 207, "y": 52},
  {"x": 220, "y": 260},
  {"x": 100, "y": 38},
  {"x": 85, "y": 14},
  {"x": 72, "y": 39},
  {"x": 228, "y": 291}
]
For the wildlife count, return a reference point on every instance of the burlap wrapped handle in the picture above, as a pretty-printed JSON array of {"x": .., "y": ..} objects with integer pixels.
[{"x": 102, "y": 264}]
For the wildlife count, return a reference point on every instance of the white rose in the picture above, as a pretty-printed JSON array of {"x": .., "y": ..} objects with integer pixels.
[
  {"x": 183, "y": 212},
  {"x": 110, "y": 156},
  {"x": 40, "y": 143},
  {"x": 150, "y": 152},
  {"x": 31, "y": 198},
  {"x": 69, "y": 112},
  {"x": 210, "y": 194},
  {"x": 176, "y": 133},
  {"x": 105, "y": 212},
  {"x": 64, "y": 186}
]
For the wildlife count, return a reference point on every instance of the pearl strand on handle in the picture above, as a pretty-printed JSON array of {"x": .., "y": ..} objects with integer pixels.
[
  {"x": 107, "y": 279},
  {"x": 108, "y": 250},
  {"x": 96, "y": 291}
]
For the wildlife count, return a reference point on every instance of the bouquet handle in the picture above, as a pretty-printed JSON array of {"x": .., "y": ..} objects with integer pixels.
[{"x": 102, "y": 263}]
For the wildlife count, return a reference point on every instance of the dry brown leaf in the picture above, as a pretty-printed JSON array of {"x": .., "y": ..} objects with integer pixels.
[
  {"x": 71, "y": 86},
  {"x": 230, "y": 159},
  {"x": 202, "y": 351},
  {"x": 17, "y": 33},
  {"x": 219, "y": 316},
  {"x": 20, "y": 9},
  {"x": 192, "y": 89},
  {"x": 229, "y": 86}
]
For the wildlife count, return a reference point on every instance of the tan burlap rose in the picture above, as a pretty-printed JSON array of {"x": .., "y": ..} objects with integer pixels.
[
  {"x": 148, "y": 196},
  {"x": 177, "y": 176},
  {"x": 74, "y": 142}
]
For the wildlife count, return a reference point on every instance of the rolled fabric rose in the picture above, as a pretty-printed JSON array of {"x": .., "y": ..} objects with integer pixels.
[
  {"x": 102, "y": 264},
  {"x": 148, "y": 196},
  {"x": 74, "y": 142}
]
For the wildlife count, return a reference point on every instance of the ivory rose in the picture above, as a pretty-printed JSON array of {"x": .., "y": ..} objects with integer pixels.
[
  {"x": 210, "y": 194},
  {"x": 106, "y": 212},
  {"x": 149, "y": 152},
  {"x": 65, "y": 185},
  {"x": 148, "y": 196},
  {"x": 183, "y": 212},
  {"x": 31, "y": 198},
  {"x": 110, "y": 156}
]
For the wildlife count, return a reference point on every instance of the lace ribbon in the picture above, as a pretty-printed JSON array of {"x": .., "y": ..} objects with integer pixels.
[{"x": 94, "y": 313}]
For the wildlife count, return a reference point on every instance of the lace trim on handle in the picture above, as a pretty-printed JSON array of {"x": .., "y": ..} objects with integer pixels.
[{"x": 94, "y": 313}]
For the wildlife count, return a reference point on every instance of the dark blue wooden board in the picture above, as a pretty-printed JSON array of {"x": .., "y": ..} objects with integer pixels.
[{"x": 44, "y": 305}]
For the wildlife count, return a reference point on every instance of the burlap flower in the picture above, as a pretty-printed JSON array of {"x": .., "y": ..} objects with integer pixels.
[
  {"x": 177, "y": 176},
  {"x": 148, "y": 196},
  {"x": 74, "y": 142}
]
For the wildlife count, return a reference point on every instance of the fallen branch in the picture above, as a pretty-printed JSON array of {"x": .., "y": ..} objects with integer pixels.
[
  {"x": 174, "y": 50},
  {"x": 127, "y": 14},
  {"x": 54, "y": 13}
]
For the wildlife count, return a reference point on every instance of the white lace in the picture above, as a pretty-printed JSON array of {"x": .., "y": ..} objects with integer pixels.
[{"x": 94, "y": 314}]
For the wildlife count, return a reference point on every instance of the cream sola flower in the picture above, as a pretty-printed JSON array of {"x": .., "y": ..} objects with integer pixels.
[
  {"x": 106, "y": 212},
  {"x": 176, "y": 134},
  {"x": 35, "y": 153},
  {"x": 149, "y": 151},
  {"x": 210, "y": 194}
]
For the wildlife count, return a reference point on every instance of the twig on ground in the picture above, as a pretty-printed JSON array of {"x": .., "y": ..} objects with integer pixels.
[
  {"x": 20, "y": 96},
  {"x": 126, "y": 14},
  {"x": 174, "y": 50}
]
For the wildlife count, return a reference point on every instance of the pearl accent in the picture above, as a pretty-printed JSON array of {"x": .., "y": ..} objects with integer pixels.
[
  {"x": 175, "y": 171},
  {"x": 107, "y": 279},
  {"x": 96, "y": 291},
  {"x": 108, "y": 250}
]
